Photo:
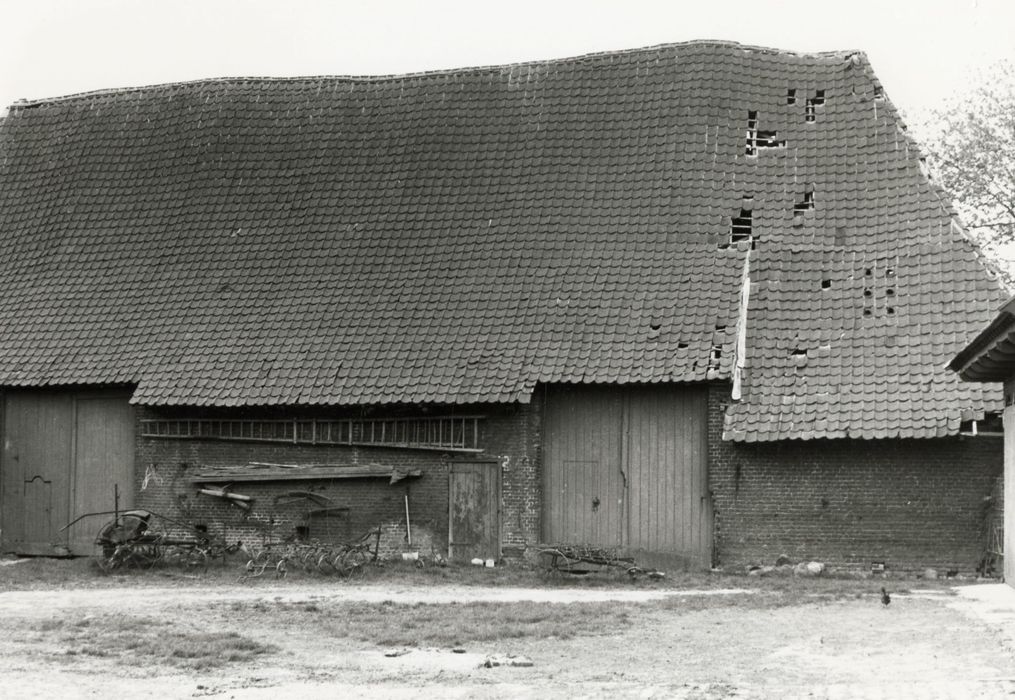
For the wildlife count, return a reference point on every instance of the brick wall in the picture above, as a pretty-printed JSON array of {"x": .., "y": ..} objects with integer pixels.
[
  {"x": 165, "y": 468},
  {"x": 909, "y": 503}
]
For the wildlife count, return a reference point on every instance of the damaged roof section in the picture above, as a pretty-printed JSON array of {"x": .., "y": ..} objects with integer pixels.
[{"x": 461, "y": 236}]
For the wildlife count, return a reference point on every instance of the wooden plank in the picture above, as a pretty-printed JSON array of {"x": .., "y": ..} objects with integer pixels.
[{"x": 365, "y": 472}]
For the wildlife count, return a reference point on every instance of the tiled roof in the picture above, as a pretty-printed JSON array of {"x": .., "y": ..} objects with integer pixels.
[
  {"x": 990, "y": 356},
  {"x": 464, "y": 235}
]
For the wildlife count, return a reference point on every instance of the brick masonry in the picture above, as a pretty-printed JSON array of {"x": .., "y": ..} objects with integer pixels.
[
  {"x": 911, "y": 504},
  {"x": 165, "y": 468}
]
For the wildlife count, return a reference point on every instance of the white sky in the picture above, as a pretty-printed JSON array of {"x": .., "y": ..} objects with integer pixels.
[{"x": 924, "y": 52}]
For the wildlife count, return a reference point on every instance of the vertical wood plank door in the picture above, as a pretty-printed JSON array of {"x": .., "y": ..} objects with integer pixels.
[
  {"x": 474, "y": 511},
  {"x": 583, "y": 480},
  {"x": 103, "y": 463},
  {"x": 628, "y": 467},
  {"x": 63, "y": 451},
  {"x": 667, "y": 460},
  {"x": 38, "y": 438}
]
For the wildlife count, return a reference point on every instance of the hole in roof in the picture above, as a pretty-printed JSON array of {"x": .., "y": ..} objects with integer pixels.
[
  {"x": 769, "y": 139},
  {"x": 811, "y": 103},
  {"x": 797, "y": 352},
  {"x": 799, "y": 208},
  {"x": 752, "y": 133},
  {"x": 741, "y": 227},
  {"x": 879, "y": 92},
  {"x": 681, "y": 345},
  {"x": 757, "y": 139},
  {"x": 791, "y": 96},
  {"x": 890, "y": 310},
  {"x": 826, "y": 284},
  {"x": 720, "y": 326}
]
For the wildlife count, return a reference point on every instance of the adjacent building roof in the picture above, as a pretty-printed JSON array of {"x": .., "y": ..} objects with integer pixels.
[
  {"x": 990, "y": 356},
  {"x": 461, "y": 236}
]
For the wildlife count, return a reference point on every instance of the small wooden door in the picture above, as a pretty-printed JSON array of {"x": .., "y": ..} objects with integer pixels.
[{"x": 474, "y": 511}]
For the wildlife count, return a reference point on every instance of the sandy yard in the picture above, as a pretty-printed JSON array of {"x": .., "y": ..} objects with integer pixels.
[{"x": 324, "y": 638}]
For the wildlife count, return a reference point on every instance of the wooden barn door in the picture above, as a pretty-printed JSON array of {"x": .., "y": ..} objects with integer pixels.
[
  {"x": 474, "y": 511},
  {"x": 667, "y": 466},
  {"x": 584, "y": 478},
  {"x": 63, "y": 452},
  {"x": 628, "y": 467},
  {"x": 103, "y": 463}
]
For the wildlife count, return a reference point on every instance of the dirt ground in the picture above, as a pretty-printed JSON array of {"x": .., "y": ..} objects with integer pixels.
[{"x": 717, "y": 641}]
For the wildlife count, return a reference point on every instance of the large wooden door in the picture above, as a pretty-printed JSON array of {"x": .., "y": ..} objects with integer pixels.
[
  {"x": 474, "y": 510},
  {"x": 584, "y": 488},
  {"x": 103, "y": 465},
  {"x": 627, "y": 467},
  {"x": 667, "y": 461},
  {"x": 63, "y": 453}
]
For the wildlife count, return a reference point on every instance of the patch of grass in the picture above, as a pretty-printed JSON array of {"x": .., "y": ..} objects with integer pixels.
[
  {"x": 449, "y": 625},
  {"x": 150, "y": 641}
]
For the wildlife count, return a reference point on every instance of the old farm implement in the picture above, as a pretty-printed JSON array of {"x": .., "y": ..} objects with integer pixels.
[
  {"x": 145, "y": 539},
  {"x": 342, "y": 559},
  {"x": 584, "y": 559}
]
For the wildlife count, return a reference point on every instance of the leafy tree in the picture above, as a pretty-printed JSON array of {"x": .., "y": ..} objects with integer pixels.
[{"x": 971, "y": 153}]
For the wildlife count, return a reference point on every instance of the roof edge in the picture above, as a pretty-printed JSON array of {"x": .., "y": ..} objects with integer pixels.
[
  {"x": 1003, "y": 324},
  {"x": 25, "y": 103}
]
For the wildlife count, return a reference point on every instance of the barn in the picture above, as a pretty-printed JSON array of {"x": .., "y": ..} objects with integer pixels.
[{"x": 693, "y": 301}]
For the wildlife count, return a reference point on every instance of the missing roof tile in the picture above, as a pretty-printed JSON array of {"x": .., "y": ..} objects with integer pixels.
[
  {"x": 770, "y": 139},
  {"x": 759, "y": 138},
  {"x": 791, "y": 96},
  {"x": 752, "y": 133},
  {"x": 810, "y": 113},
  {"x": 879, "y": 92},
  {"x": 742, "y": 227},
  {"x": 826, "y": 284},
  {"x": 806, "y": 204}
]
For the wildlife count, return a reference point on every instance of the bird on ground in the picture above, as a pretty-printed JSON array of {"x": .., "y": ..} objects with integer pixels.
[{"x": 885, "y": 598}]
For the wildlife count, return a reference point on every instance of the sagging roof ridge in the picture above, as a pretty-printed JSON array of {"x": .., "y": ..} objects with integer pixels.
[{"x": 841, "y": 55}]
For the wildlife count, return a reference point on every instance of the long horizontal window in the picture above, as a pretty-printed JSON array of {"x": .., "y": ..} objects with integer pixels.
[{"x": 459, "y": 433}]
